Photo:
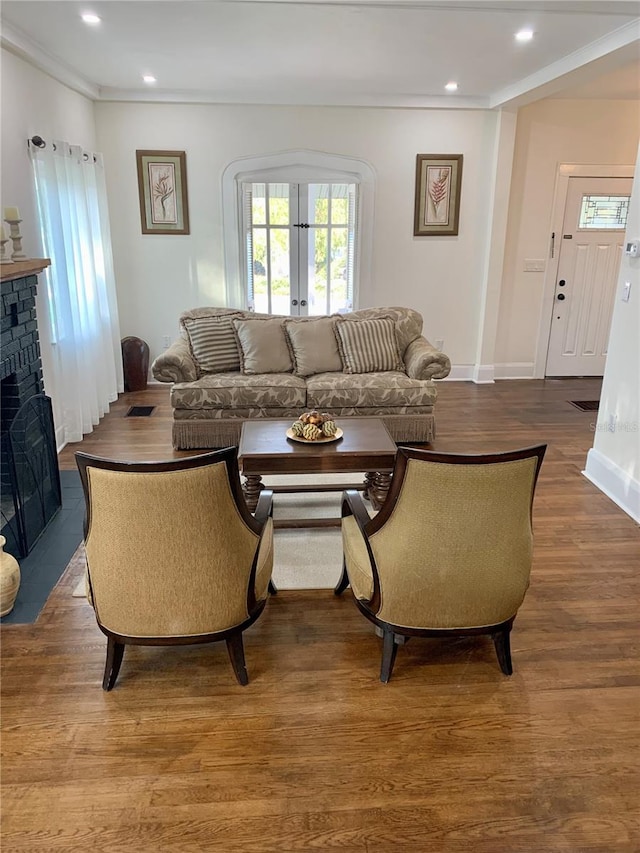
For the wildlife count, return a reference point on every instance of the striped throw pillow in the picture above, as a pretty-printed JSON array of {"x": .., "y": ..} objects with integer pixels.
[
  {"x": 214, "y": 344},
  {"x": 368, "y": 346}
]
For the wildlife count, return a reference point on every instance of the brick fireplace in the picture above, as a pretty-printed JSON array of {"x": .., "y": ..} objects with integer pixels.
[
  {"x": 21, "y": 368},
  {"x": 30, "y": 480}
]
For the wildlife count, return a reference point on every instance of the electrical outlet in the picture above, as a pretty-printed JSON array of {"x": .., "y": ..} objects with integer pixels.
[
  {"x": 166, "y": 341},
  {"x": 440, "y": 344}
]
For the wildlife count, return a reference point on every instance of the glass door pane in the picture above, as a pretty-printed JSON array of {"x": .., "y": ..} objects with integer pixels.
[
  {"x": 328, "y": 263},
  {"x": 268, "y": 208}
]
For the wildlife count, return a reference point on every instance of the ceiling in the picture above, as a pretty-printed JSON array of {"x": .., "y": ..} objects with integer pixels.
[{"x": 362, "y": 52}]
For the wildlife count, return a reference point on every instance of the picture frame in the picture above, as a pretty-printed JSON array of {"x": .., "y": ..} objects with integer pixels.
[
  {"x": 437, "y": 202},
  {"x": 162, "y": 189}
]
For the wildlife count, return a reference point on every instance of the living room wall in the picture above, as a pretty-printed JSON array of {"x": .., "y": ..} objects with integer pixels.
[
  {"x": 34, "y": 103},
  {"x": 613, "y": 463},
  {"x": 160, "y": 276}
]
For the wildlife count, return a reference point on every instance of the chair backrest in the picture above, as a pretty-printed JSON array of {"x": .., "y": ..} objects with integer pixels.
[
  {"x": 171, "y": 548},
  {"x": 453, "y": 543}
]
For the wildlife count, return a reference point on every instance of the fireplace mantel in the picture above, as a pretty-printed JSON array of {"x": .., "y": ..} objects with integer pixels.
[{"x": 18, "y": 269}]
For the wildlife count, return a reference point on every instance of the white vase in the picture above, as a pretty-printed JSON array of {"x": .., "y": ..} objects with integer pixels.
[{"x": 9, "y": 579}]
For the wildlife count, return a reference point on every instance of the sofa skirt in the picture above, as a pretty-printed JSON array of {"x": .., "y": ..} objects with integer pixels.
[{"x": 203, "y": 433}]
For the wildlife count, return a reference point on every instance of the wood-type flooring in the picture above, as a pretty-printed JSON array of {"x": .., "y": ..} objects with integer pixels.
[{"x": 315, "y": 754}]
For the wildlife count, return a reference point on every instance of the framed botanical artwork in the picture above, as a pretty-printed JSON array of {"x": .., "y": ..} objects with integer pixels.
[
  {"x": 438, "y": 184},
  {"x": 162, "y": 187}
]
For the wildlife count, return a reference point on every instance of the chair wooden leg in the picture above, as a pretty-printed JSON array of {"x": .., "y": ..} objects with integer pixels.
[
  {"x": 273, "y": 589},
  {"x": 115, "y": 652},
  {"x": 235, "y": 647},
  {"x": 389, "y": 649},
  {"x": 343, "y": 583},
  {"x": 502, "y": 642}
]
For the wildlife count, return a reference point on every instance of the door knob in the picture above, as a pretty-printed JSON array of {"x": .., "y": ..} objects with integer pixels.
[
  {"x": 561, "y": 283},
  {"x": 303, "y": 302},
  {"x": 561, "y": 296},
  {"x": 294, "y": 301}
]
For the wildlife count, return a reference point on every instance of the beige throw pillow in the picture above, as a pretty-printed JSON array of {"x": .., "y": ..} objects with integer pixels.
[
  {"x": 213, "y": 343},
  {"x": 368, "y": 346},
  {"x": 263, "y": 346},
  {"x": 313, "y": 346}
]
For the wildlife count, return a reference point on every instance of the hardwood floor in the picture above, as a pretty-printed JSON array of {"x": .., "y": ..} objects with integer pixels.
[{"x": 315, "y": 754}]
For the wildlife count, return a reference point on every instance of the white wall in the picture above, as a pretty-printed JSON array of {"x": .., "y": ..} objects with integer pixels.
[
  {"x": 160, "y": 276},
  {"x": 613, "y": 463},
  {"x": 34, "y": 103},
  {"x": 549, "y": 132}
]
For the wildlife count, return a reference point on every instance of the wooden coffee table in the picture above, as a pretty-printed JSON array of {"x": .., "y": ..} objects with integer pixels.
[{"x": 365, "y": 446}]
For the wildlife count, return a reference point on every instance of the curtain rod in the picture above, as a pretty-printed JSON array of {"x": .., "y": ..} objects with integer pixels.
[{"x": 39, "y": 142}]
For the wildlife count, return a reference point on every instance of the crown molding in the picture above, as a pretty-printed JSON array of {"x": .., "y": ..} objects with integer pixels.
[
  {"x": 19, "y": 43},
  {"x": 613, "y": 50},
  {"x": 317, "y": 99}
]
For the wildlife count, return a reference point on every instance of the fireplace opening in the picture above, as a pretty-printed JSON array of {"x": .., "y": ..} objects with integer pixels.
[
  {"x": 30, "y": 495},
  {"x": 31, "y": 492}
]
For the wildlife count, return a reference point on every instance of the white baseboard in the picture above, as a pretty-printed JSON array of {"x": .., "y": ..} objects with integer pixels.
[
  {"x": 483, "y": 374},
  {"x": 459, "y": 373},
  {"x": 616, "y": 484},
  {"x": 515, "y": 370}
]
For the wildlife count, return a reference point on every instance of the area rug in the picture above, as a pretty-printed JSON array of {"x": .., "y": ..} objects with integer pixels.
[{"x": 304, "y": 558}]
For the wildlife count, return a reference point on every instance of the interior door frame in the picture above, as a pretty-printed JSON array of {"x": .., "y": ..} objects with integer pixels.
[{"x": 565, "y": 171}]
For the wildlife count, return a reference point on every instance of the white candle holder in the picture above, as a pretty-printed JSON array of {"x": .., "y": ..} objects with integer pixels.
[
  {"x": 14, "y": 225},
  {"x": 4, "y": 258}
]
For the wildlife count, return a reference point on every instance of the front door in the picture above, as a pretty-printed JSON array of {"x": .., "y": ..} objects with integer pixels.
[{"x": 590, "y": 250}]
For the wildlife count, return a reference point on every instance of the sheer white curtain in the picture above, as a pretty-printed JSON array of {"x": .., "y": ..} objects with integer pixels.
[{"x": 81, "y": 291}]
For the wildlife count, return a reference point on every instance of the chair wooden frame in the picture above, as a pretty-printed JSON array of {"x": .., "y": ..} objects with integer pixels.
[
  {"x": 233, "y": 636},
  {"x": 394, "y": 635}
]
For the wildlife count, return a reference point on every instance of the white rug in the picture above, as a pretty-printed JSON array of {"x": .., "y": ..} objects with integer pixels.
[{"x": 304, "y": 558}]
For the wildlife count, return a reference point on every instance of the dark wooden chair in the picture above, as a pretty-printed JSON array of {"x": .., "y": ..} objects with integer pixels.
[
  {"x": 173, "y": 554},
  {"x": 450, "y": 551}
]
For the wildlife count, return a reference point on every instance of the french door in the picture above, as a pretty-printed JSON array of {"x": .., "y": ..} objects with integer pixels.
[{"x": 300, "y": 246}]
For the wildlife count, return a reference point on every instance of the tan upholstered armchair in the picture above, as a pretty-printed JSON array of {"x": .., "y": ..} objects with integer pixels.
[
  {"x": 450, "y": 550},
  {"x": 173, "y": 554}
]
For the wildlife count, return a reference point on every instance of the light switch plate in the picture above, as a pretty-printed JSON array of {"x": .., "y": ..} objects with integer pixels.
[
  {"x": 534, "y": 264},
  {"x": 626, "y": 291}
]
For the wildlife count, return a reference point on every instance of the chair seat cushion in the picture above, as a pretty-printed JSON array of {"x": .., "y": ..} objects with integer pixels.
[
  {"x": 238, "y": 390},
  {"x": 374, "y": 390}
]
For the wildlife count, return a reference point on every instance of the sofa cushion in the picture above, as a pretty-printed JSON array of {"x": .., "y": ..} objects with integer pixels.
[
  {"x": 237, "y": 391},
  {"x": 313, "y": 345},
  {"x": 213, "y": 343},
  {"x": 263, "y": 346},
  {"x": 368, "y": 346},
  {"x": 374, "y": 390}
]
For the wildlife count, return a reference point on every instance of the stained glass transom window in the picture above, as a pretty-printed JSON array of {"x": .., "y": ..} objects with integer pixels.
[{"x": 604, "y": 211}]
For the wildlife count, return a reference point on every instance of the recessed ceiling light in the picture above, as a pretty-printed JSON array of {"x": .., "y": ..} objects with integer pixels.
[
  {"x": 451, "y": 87},
  {"x": 524, "y": 35},
  {"x": 149, "y": 78},
  {"x": 89, "y": 18}
]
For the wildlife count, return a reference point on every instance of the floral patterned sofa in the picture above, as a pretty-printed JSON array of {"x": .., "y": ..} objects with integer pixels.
[{"x": 229, "y": 366}]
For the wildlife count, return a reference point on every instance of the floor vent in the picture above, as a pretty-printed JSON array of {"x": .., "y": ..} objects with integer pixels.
[
  {"x": 586, "y": 405},
  {"x": 140, "y": 411}
]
